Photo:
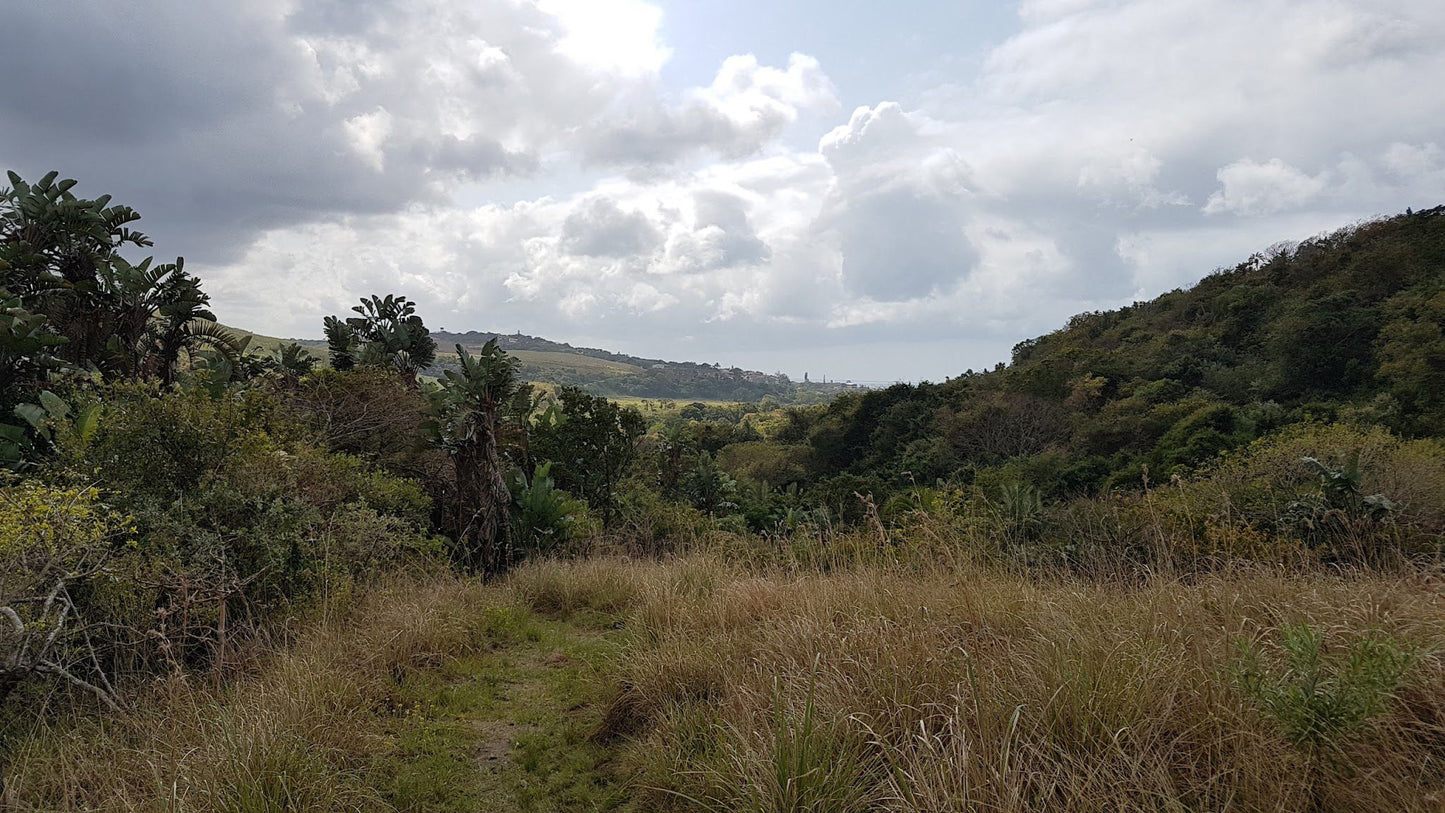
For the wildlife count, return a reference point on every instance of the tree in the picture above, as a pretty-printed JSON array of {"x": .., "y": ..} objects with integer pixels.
[
  {"x": 340, "y": 344},
  {"x": 387, "y": 332},
  {"x": 27, "y": 350},
  {"x": 592, "y": 442},
  {"x": 185, "y": 324},
  {"x": 60, "y": 256},
  {"x": 708, "y": 487},
  {"x": 465, "y": 415},
  {"x": 290, "y": 360}
]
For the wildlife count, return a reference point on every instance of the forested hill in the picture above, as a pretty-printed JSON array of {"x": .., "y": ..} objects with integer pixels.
[{"x": 1341, "y": 327}]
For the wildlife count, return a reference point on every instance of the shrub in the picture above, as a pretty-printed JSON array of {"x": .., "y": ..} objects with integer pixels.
[
  {"x": 658, "y": 525},
  {"x": 55, "y": 544},
  {"x": 368, "y": 412},
  {"x": 1316, "y": 483},
  {"x": 151, "y": 446},
  {"x": 544, "y": 517},
  {"x": 1321, "y": 699},
  {"x": 242, "y": 521}
]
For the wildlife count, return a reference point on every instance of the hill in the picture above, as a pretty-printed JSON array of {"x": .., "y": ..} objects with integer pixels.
[
  {"x": 603, "y": 372},
  {"x": 1348, "y": 326}
]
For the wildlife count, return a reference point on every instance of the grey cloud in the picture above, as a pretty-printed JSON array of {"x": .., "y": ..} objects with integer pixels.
[
  {"x": 739, "y": 242},
  {"x": 167, "y": 107},
  {"x": 899, "y": 207},
  {"x": 600, "y": 228},
  {"x": 657, "y": 135},
  {"x": 123, "y": 74},
  {"x": 471, "y": 159},
  {"x": 901, "y": 243},
  {"x": 216, "y": 121}
]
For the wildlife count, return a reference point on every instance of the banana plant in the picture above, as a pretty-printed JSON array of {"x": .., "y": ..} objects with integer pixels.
[
  {"x": 40, "y": 425},
  {"x": 464, "y": 420},
  {"x": 386, "y": 332},
  {"x": 60, "y": 255}
]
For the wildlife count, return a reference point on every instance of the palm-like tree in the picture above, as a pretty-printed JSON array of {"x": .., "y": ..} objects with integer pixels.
[
  {"x": 290, "y": 360},
  {"x": 386, "y": 332},
  {"x": 340, "y": 344},
  {"x": 466, "y": 413},
  {"x": 180, "y": 322},
  {"x": 61, "y": 255}
]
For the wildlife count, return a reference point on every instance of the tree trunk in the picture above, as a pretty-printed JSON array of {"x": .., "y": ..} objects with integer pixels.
[{"x": 483, "y": 533}]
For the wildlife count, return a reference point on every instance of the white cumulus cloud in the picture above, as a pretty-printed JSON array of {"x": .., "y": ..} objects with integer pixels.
[{"x": 1263, "y": 188}]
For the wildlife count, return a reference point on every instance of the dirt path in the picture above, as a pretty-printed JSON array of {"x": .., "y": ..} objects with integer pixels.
[{"x": 510, "y": 730}]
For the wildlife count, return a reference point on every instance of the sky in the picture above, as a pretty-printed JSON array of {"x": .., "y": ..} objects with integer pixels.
[{"x": 858, "y": 190}]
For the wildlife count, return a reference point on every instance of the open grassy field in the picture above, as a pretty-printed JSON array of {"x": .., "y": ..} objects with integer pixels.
[
  {"x": 698, "y": 685},
  {"x": 542, "y": 360}
]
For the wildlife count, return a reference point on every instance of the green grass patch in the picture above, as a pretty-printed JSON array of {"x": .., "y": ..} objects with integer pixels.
[{"x": 511, "y": 729}]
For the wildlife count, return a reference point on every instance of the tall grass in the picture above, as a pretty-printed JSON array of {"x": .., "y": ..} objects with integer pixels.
[
  {"x": 875, "y": 688},
  {"x": 879, "y": 685},
  {"x": 300, "y": 734}
]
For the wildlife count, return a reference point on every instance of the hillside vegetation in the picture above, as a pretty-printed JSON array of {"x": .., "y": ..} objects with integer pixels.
[
  {"x": 1182, "y": 556},
  {"x": 603, "y": 372},
  {"x": 1346, "y": 326}
]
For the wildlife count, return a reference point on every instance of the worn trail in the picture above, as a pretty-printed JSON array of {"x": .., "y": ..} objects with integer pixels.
[{"x": 510, "y": 729}]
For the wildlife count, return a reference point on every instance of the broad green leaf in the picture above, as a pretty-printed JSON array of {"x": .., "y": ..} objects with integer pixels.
[
  {"x": 54, "y": 404},
  {"x": 32, "y": 414}
]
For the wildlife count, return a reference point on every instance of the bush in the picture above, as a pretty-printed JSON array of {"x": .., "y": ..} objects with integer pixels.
[
  {"x": 1321, "y": 699},
  {"x": 656, "y": 524},
  {"x": 242, "y": 521},
  {"x": 151, "y": 446},
  {"x": 368, "y": 412},
  {"x": 55, "y": 545},
  {"x": 545, "y": 517},
  {"x": 1272, "y": 488}
]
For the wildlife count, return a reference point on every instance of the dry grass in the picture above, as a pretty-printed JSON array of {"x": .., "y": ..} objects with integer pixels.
[
  {"x": 302, "y": 734},
  {"x": 870, "y": 689}
]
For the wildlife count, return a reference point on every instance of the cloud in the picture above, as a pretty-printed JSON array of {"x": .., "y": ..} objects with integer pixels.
[
  {"x": 368, "y": 133},
  {"x": 899, "y": 206},
  {"x": 1253, "y": 188},
  {"x": 614, "y": 36},
  {"x": 538, "y": 165},
  {"x": 218, "y": 122},
  {"x": 746, "y": 106},
  {"x": 720, "y": 235},
  {"x": 600, "y": 228},
  {"x": 1414, "y": 161}
]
